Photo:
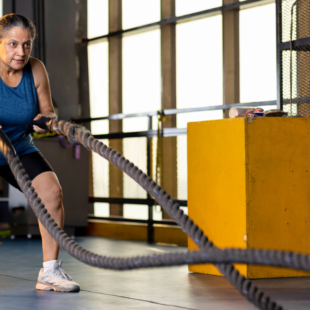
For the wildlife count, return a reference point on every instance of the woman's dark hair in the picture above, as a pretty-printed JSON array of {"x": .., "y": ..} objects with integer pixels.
[{"x": 9, "y": 21}]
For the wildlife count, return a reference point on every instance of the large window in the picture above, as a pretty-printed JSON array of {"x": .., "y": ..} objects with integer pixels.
[
  {"x": 258, "y": 54},
  {"x": 141, "y": 77},
  {"x": 199, "y": 68},
  {"x": 141, "y": 92},
  {"x": 197, "y": 48},
  {"x": 199, "y": 81},
  {"x": 99, "y": 106},
  {"x": 98, "y": 69}
]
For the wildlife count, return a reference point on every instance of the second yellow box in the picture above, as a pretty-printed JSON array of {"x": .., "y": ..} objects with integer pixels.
[{"x": 249, "y": 187}]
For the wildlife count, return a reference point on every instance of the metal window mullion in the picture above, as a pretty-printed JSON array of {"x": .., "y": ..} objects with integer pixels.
[
  {"x": 168, "y": 68},
  {"x": 115, "y": 100},
  {"x": 231, "y": 74}
]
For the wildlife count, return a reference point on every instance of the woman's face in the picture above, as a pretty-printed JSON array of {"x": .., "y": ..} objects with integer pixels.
[{"x": 15, "y": 47}]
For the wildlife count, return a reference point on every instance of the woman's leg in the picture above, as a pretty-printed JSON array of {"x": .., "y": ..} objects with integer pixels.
[
  {"x": 54, "y": 278},
  {"x": 49, "y": 190}
]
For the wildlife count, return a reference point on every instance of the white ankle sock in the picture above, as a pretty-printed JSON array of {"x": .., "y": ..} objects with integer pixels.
[{"x": 50, "y": 264}]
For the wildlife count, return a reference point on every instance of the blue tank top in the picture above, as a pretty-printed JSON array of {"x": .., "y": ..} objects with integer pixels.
[{"x": 18, "y": 106}]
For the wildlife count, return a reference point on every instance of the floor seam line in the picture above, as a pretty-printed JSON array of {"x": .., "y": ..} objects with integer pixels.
[
  {"x": 137, "y": 299},
  {"x": 5, "y": 275},
  {"x": 106, "y": 294}
]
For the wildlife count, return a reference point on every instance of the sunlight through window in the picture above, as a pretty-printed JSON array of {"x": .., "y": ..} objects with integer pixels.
[
  {"x": 183, "y": 7},
  {"x": 258, "y": 66},
  {"x": 199, "y": 80},
  {"x": 140, "y": 12},
  {"x": 97, "y": 18},
  {"x": 141, "y": 93},
  {"x": 99, "y": 106}
]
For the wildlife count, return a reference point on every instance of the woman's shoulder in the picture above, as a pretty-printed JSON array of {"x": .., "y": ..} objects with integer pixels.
[
  {"x": 36, "y": 65},
  {"x": 38, "y": 70}
]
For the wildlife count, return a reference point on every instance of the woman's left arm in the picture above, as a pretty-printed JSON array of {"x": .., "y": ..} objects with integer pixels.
[{"x": 43, "y": 91}]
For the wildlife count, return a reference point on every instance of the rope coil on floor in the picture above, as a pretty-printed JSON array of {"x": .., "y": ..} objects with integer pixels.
[{"x": 208, "y": 253}]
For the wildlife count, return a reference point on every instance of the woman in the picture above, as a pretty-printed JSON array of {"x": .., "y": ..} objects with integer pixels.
[{"x": 25, "y": 96}]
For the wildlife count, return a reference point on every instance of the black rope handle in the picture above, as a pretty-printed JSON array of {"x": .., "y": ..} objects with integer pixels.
[
  {"x": 209, "y": 253},
  {"x": 43, "y": 122}
]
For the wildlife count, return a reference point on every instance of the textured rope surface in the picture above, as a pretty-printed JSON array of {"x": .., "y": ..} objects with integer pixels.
[
  {"x": 76, "y": 134},
  {"x": 208, "y": 254}
]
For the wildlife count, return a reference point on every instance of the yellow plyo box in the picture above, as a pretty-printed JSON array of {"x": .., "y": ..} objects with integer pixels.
[{"x": 249, "y": 187}]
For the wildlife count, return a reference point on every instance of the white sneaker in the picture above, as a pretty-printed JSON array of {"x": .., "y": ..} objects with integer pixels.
[{"x": 55, "y": 279}]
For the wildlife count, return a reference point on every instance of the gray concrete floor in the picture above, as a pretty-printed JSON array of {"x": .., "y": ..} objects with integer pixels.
[{"x": 161, "y": 288}]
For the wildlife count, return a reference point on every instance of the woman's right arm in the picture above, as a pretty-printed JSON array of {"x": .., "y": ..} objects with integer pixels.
[{"x": 43, "y": 90}]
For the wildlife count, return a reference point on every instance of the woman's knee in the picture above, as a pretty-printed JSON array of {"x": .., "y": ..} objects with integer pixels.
[
  {"x": 49, "y": 189},
  {"x": 54, "y": 195},
  {"x": 56, "y": 192}
]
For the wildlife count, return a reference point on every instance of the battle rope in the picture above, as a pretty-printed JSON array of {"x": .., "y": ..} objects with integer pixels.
[{"x": 208, "y": 254}]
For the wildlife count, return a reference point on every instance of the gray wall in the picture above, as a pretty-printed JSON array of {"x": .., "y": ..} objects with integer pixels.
[{"x": 61, "y": 59}]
